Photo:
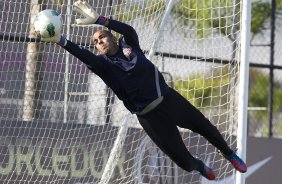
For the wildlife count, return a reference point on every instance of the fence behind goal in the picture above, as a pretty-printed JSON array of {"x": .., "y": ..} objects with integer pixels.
[{"x": 59, "y": 123}]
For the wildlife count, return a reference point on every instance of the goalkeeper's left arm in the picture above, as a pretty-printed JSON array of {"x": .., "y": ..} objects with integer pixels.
[
  {"x": 92, "y": 17},
  {"x": 128, "y": 32}
]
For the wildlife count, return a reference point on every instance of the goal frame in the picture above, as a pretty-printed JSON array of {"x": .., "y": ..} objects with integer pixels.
[{"x": 121, "y": 126}]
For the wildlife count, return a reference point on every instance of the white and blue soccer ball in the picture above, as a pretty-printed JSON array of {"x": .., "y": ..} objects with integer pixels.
[{"x": 47, "y": 23}]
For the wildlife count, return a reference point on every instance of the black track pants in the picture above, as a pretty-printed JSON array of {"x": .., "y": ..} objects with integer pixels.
[{"x": 161, "y": 126}]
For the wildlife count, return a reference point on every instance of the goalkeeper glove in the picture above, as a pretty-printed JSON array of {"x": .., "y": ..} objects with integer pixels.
[
  {"x": 82, "y": 7},
  {"x": 55, "y": 39},
  {"x": 59, "y": 39}
]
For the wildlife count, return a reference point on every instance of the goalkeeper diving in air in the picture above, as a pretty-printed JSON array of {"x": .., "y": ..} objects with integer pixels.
[{"x": 122, "y": 65}]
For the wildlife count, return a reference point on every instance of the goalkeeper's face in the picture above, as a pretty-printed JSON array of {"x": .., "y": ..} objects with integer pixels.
[{"x": 105, "y": 42}]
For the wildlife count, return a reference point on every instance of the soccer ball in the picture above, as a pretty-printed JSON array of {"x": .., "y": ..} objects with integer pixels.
[{"x": 47, "y": 23}]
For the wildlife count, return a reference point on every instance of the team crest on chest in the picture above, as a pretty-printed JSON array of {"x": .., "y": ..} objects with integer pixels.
[{"x": 127, "y": 51}]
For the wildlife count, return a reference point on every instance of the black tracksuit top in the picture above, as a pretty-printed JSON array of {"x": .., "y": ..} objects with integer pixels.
[{"x": 133, "y": 78}]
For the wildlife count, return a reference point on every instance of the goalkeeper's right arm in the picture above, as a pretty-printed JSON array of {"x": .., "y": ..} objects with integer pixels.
[
  {"x": 57, "y": 38},
  {"x": 93, "y": 62}
]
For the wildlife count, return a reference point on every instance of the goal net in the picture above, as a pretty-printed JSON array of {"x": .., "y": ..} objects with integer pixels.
[{"x": 59, "y": 123}]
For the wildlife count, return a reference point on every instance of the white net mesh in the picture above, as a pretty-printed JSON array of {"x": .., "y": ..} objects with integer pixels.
[{"x": 59, "y": 122}]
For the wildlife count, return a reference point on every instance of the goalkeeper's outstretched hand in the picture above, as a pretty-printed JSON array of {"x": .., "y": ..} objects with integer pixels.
[
  {"x": 58, "y": 39},
  {"x": 85, "y": 9},
  {"x": 55, "y": 39}
]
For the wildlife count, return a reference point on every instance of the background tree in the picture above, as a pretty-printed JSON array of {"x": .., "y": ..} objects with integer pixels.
[
  {"x": 208, "y": 15},
  {"x": 132, "y": 10},
  {"x": 258, "y": 97},
  {"x": 202, "y": 91}
]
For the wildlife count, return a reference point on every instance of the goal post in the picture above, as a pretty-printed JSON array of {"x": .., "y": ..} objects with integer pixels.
[
  {"x": 243, "y": 86},
  {"x": 67, "y": 135},
  {"x": 115, "y": 151}
]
